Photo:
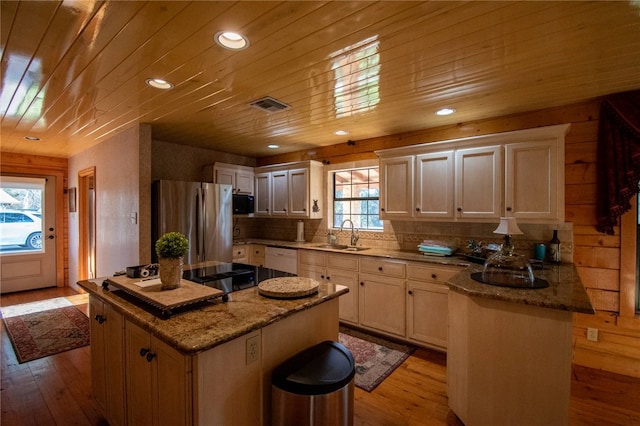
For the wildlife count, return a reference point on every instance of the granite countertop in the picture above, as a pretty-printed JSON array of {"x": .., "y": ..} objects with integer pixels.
[
  {"x": 565, "y": 292},
  {"x": 218, "y": 322}
]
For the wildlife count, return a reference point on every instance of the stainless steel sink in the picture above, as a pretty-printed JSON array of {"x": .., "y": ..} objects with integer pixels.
[{"x": 341, "y": 247}]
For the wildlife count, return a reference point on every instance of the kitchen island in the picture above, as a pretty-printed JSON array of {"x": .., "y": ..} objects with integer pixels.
[
  {"x": 510, "y": 349},
  {"x": 210, "y": 365}
]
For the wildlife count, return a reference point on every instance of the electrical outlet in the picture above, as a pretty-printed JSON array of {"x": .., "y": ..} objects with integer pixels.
[
  {"x": 253, "y": 349},
  {"x": 592, "y": 334}
]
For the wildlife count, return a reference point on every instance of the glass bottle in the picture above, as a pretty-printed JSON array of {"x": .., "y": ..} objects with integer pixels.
[{"x": 554, "y": 248}]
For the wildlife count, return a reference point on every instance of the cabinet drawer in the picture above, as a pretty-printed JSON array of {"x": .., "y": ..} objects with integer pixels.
[
  {"x": 239, "y": 252},
  {"x": 372, "y": 265},
  {"x": 343, "y": 262},
  {"x": 257, "y": 251},
  {"x": 312, "y": 257},
  {"x": 440, "y": 274}
]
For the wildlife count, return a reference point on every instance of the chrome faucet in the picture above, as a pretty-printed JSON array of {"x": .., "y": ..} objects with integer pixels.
[{"x": 354, "y": 232}]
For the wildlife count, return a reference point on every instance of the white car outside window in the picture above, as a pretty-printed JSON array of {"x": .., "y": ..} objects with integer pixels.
[{"x": 21, "y": 228}]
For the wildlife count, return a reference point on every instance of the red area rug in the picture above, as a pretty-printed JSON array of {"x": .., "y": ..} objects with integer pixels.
[
  {"x": 375, "y": 357},
  {"x": 39, "y": 334}
]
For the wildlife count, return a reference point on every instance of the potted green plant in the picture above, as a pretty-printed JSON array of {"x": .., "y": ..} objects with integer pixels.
[{"x": 170, "y": 248}]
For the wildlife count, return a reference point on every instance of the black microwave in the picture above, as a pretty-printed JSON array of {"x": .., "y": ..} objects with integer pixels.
[{"x": 243, "y": 204}]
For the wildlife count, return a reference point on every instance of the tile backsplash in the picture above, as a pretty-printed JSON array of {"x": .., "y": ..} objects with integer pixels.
[{"x": 406, "y": 235}]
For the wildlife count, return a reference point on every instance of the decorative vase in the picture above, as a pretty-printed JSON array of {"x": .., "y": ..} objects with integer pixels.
[{"x": 170, "y": 272}]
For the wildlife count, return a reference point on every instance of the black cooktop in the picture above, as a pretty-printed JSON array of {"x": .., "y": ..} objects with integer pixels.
[{"x": 230, "y": 277}]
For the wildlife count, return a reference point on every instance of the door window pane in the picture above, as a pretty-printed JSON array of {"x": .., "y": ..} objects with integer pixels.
[{"x": 21, "y": 207}]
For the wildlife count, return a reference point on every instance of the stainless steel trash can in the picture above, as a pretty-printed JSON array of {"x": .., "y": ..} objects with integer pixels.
[{"x": 314, "y": 387}]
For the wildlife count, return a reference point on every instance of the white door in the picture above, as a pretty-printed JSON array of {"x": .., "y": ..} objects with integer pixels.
[{"x": 27, "y": 233}]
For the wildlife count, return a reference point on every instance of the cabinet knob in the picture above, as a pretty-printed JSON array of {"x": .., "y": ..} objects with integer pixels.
[
  {"x": 410, "y": 293},
  {"x": 509, "y": 209},
  {"x": 361, "y": 283},
  {"x": 144, "y": 351},
  {"x": 322, "y": 276},
  {"x": 417, "y": 209},
  {"x": 382, "y": 209},
  {"x": 328, "y": 278},
  {"x": 380, "y": 268},
  {"x": 434, "y": 276},
  {"x": 459, "y": 209},
  {"x": 100, "y": 318},
  {"x": 150, "y": 356}
]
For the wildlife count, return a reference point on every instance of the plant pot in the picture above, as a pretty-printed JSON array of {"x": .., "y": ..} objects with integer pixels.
[{"x": 170, "y": 272}]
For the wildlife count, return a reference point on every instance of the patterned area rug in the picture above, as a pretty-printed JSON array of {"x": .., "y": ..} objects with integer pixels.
[
  {"x": 35, "y": 332},
  {"x": 375, "y": 358}
]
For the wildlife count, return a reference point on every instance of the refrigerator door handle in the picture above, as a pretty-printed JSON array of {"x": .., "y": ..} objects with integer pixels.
[{"x": 199, "y": 223}]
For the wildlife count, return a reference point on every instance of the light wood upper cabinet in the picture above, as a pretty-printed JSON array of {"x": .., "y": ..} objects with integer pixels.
[
  {"x": 481, "y": 178},
  {"x": 478, "y": 189},
  {"x": 262, "y": 200},
  {"x": 434, "y": 197},
  {"x": 533, "y": 188},
  {"x": 279, "y": 193},
  {"x": 396, "y": 184},
  {"x": 241, "y": 178},
  {"x": 292, "y": 190}
]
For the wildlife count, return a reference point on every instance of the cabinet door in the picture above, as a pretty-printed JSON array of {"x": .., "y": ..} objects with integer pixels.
[
  {"x": 435, "y": 185},
  {"x": 140, "y": 404},
  {"x": 225, "y": 176},
  {"x": 279, "y": 193},
  {"x": 240, "y": 254},
  {"x": 171, "y": 384},
  {"x": 244, "y": 182},
  {"x": 348, "y": 303},
  {"x": 396, "y": 187},
  {"x": 107, "y": 360},
  {"x": 382, "y": 303},
  {"x": 479, "y": 183},
  {"x": 531, "y": 181},
  {"x": 317, "y": 273},
  {"x": 427, "y": 313},
  {"x": 98, "y": 361},
  {"x": 299, "y": 192},
  {"x": 263, "y": 194},
  {"x": 256, "y": 255}
]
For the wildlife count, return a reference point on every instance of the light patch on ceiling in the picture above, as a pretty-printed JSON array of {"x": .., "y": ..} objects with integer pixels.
[{"x": 357, "y": 77}]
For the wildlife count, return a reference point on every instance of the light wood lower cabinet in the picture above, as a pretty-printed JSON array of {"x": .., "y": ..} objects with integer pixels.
[
  {"x": 256, "y": 254},
  {"x": 339, "y": 269},
  {"x": 240, "y": 254},
  {"x": 427, "y": 303},
  {"x": 408, "y": 300},
  {"x": 107, "y": 360},
  {"x": 158, "y": 380}
]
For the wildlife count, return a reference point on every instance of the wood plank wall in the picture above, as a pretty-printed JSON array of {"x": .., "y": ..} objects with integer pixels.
[
  {"x": 597, "y": 256},
  {"x": 22, "y": 164}
]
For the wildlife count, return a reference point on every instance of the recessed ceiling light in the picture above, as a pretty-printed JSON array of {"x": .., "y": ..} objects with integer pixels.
[
  {"x": 445, "y": 111},
  {"x": 273, "y": 146},
  {"x": 340, "y": 133},
  {"x": 159, "y": 83},
  {"x": 231, "y": 40},
  {"x": 31, "y": 138}
]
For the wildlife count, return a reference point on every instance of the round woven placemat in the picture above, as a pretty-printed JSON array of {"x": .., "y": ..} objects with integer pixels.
[{"x": 288, "y": 287}]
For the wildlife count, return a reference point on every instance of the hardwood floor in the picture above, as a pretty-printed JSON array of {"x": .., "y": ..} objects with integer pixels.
[{"x": 57, "y": 390}]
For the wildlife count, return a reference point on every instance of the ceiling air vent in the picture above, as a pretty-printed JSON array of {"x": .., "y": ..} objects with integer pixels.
[{"x": 269, "y": 104}]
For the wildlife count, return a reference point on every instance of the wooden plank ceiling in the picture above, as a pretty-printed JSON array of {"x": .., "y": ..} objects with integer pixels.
[{"x": 74, "y": 71}]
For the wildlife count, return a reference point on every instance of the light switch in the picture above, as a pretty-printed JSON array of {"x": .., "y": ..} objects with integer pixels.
[{"x": 134, "y": 218}]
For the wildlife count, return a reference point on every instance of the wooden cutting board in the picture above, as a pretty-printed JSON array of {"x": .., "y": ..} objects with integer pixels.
[
  {"x": 149, "y": 291},
  {"x": 288, "y": 287}
]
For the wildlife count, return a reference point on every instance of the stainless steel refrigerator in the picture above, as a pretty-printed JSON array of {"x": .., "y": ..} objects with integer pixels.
[{"x": 199, "y": 210}]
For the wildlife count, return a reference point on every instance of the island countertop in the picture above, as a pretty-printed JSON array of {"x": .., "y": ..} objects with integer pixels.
[
  {"x": 565, "y": 291},
  {"x": 217, "y": 322}
]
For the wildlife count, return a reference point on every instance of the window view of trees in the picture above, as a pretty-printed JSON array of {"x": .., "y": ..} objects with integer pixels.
[{"x": 356, "y": 197}]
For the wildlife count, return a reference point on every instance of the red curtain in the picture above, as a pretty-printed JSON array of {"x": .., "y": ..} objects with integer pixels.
[{"x": 618, "y": 157}]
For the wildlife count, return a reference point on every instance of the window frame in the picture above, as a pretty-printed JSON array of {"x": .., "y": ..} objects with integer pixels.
[{"x": 331, "y": 180}]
